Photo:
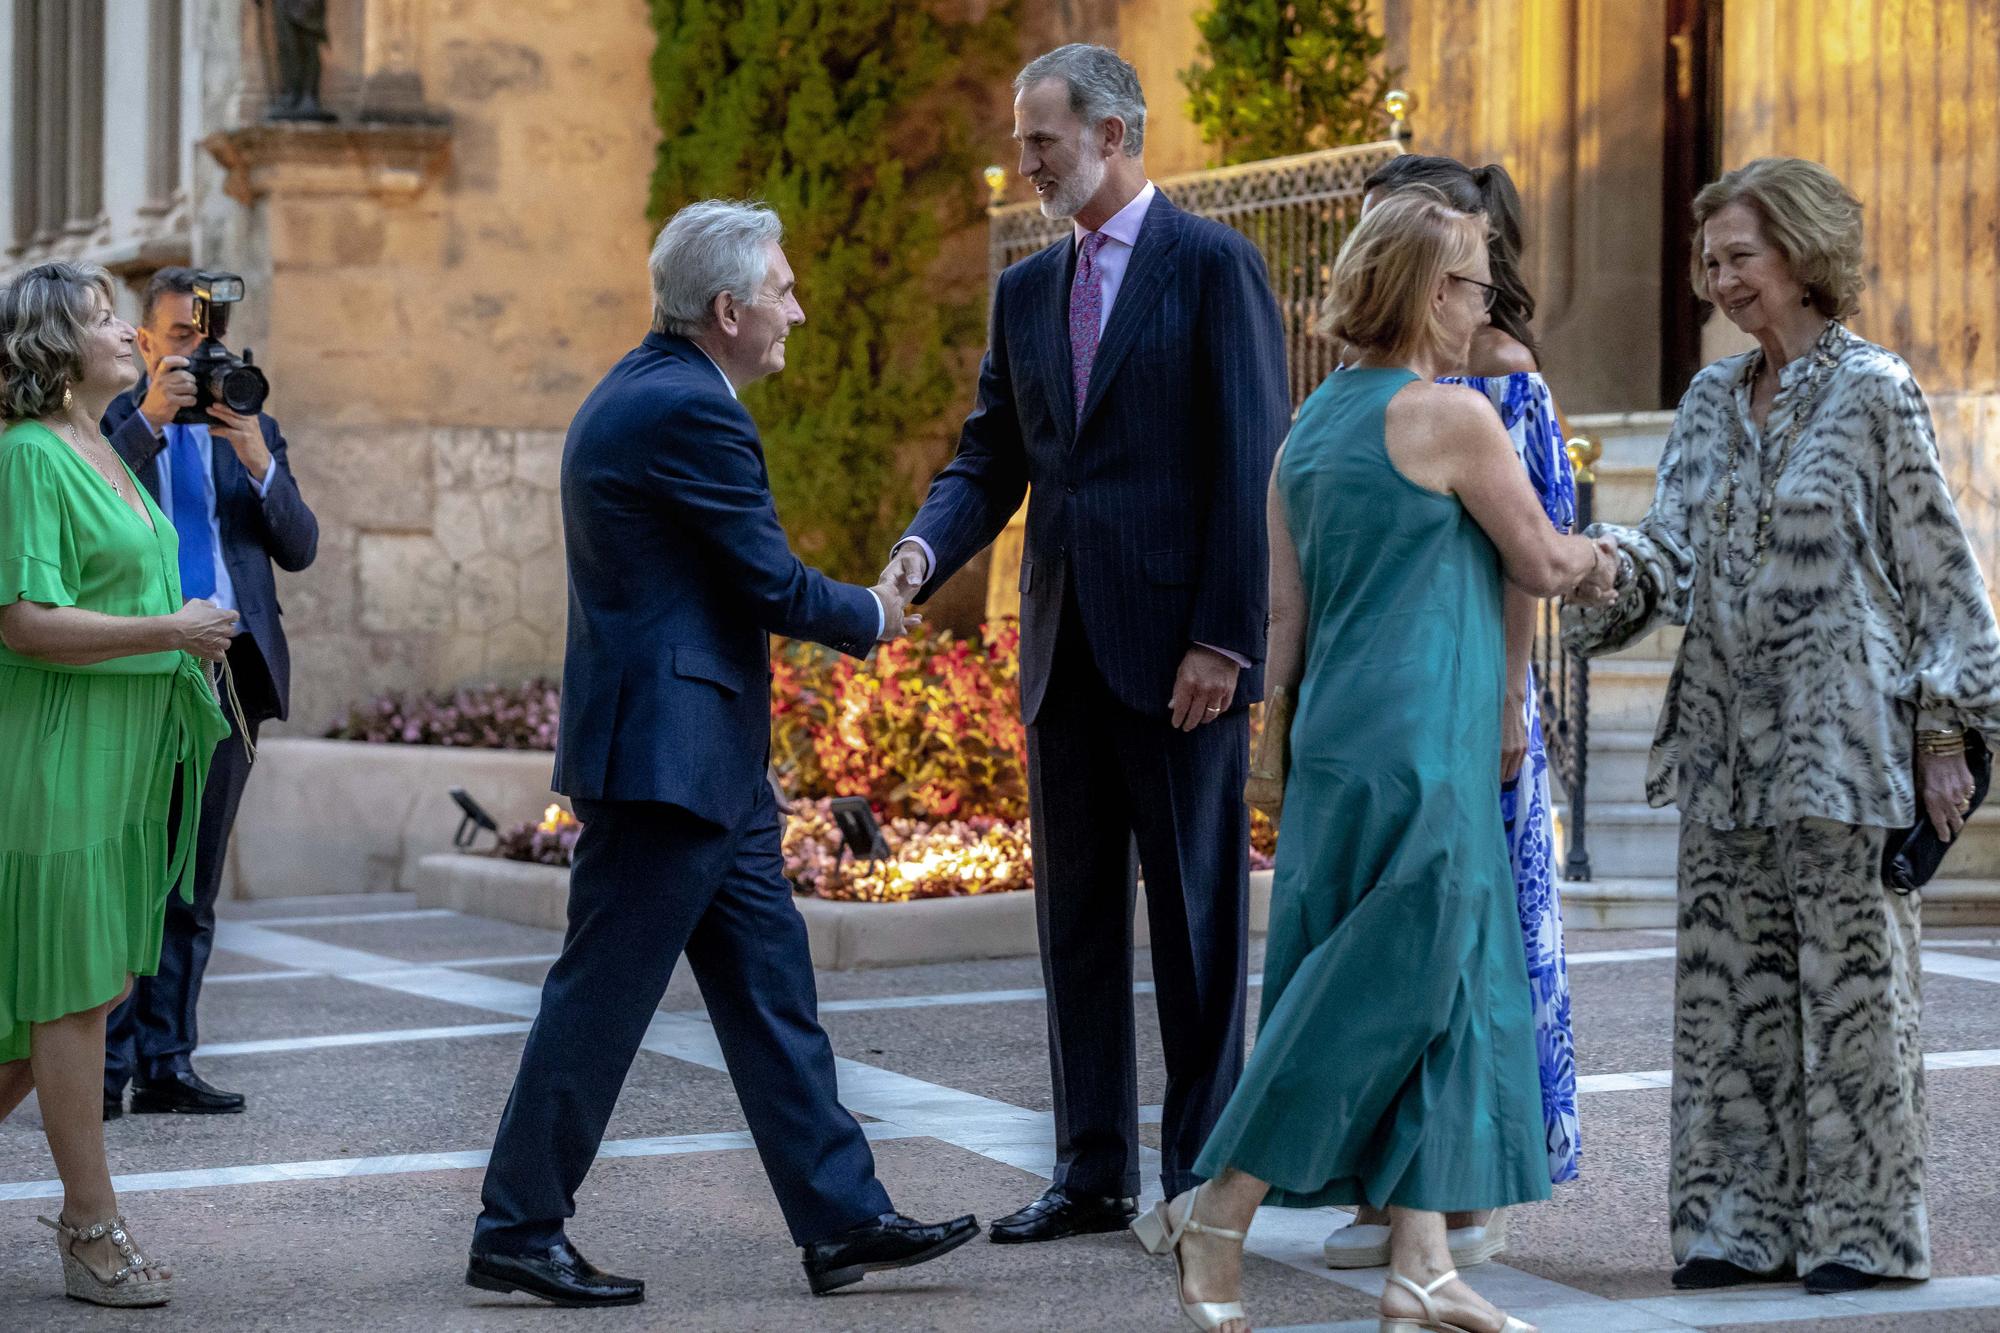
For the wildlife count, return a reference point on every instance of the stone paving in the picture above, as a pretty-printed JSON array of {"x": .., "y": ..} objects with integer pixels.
[{"x": 376, "y": 1043}]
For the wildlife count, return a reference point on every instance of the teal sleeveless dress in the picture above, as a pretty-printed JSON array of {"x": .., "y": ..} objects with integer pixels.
[{"x": 1395, "y": 1059}]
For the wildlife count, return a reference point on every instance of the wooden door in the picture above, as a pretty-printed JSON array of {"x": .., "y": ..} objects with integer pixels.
[{"x": 1693, "y": 158}]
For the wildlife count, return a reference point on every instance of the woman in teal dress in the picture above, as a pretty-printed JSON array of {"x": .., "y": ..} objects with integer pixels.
[
  {"x": 1502, "y": 364},
  {"x": 1395, "y": 1062},
  {"x": 107, "y": 721}
]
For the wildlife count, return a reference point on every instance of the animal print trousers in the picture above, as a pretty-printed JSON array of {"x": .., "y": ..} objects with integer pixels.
[{"x": 1798, "y": 1094}]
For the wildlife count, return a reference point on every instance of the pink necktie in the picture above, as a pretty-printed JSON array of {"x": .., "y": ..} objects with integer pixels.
[{"x": 1086, "y": 313}]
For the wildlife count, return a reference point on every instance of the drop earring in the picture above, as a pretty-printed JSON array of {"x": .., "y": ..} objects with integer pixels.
[{"x": 68, "y": 397}]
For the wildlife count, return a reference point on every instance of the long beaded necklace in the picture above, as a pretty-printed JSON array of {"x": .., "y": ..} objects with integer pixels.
[{"x": 1824, "y": 358}]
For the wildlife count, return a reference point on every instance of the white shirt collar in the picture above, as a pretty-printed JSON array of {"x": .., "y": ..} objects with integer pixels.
[
  {"x": 718, "y": 368},
  {"x": 1125, "y": 223}
]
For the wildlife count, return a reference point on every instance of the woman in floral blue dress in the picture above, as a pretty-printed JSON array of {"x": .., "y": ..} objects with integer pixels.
[{"x": 1503, "y": 366}]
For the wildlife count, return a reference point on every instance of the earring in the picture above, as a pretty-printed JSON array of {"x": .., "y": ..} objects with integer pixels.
[
  {"x": 68, "y": 397},
  {"x": 1806, "y": 300}
]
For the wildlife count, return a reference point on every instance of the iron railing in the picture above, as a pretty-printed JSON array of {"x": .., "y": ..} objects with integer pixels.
[
  {"x": 1296, "y": 210},
  {"x": 1562, "y": 687}
]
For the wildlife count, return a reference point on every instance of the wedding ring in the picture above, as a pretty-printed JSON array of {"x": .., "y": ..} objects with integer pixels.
[
  {"x": 1215, "y": 709},
  {"x": 1965, "y": 805}
]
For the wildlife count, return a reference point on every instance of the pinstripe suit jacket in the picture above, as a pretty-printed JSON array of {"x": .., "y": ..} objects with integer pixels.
[{"x": 1152, "y": 501}]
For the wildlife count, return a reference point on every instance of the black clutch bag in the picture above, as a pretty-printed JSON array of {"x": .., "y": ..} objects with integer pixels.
[{"x": 1914, "y": 854}]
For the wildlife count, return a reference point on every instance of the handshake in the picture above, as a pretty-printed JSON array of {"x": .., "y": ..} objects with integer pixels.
[
  {"x": 901, "y": 578},
  {"x": 1600, "y": 586}
]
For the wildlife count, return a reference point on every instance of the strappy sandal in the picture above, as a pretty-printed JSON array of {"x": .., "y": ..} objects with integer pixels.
[
  {"x": 123, "y": 1288},
  {"x": 1160, "y": 1234},
  {"x": 1432, "y": 1321}
]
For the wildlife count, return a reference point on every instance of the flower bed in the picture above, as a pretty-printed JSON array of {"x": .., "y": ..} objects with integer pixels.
[
  {"x": 928, "y": 730},
  {"x": 491, "y": 717}
]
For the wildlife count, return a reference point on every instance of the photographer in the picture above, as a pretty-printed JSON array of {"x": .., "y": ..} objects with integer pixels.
[{"x": 225, "y": 485}]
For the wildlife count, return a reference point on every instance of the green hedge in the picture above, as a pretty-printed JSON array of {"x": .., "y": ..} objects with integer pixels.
[
  {"x": 855, "y": 120},
  {"x": 1278, "y": 77}
]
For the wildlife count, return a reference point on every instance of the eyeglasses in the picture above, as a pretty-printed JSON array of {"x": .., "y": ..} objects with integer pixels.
[{"x": 1492, "y": 293}]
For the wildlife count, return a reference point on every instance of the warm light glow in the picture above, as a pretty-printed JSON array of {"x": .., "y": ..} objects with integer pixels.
[{"x": 555, "y": 819}]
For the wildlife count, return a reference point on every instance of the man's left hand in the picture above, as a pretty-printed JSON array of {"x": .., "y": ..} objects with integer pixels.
[
  {"x": 246, "y": 437},
  {"x": 1203, "y": 687}
]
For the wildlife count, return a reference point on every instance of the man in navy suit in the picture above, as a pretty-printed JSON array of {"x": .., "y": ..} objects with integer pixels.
[
  {"x": 229, "y": 492},
  {"x": 1135, "y": 377},
  {"x": 678, "y": 573}
]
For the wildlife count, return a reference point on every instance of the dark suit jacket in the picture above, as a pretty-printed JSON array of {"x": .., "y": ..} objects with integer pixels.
[
  {"x": 678, "y": 571},
  {"x": 1152, "y": 504},
  {"x": 279, "y": 529}
]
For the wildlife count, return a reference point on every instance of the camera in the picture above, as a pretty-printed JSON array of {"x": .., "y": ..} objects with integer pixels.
[{"x": 220, "y": 376}]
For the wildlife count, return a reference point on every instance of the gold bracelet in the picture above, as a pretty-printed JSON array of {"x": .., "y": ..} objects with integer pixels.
[{"x": 1942, "y": 743}]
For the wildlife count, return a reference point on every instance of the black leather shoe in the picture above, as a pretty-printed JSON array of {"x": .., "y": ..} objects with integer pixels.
[
  {"x": 1708, "y": 1274},
  {"x": 1059, "y": 1213},
  {"x": 558, "y": 1275},
  {"x": 182, "y": 1092},
  {"x": 890, "y": 1241},
  {"x": 114, "y": 1104},
  {"x": 1831, "y": 1279}
]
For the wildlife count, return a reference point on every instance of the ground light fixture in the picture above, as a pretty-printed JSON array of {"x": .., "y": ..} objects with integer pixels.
[
  {"x": 859, "y": 833},
  {"x": 475, "y": 819}
]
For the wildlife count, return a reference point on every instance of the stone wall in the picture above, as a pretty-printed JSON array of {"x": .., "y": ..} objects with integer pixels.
[{"x": 433, "y": 315}]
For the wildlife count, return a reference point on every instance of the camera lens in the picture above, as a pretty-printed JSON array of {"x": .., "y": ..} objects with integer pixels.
[{"x": 242, "y": 389}]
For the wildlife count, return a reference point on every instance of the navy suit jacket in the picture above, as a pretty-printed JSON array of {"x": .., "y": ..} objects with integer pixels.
[
  {"x": 1151, "y": 504},
  {"x": 678, "y": 571},
  {"x": 278, "y": 529}
]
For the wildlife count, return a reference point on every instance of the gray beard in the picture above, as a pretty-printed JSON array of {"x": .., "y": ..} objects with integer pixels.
[{"x": 1074, "y": 193}]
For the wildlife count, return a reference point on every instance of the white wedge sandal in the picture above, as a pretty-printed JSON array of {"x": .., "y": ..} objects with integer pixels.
[
  {"x": 1160, "y": 1234},
  {"x": 1432, "y": 1321},
  {"x": 124, "y": 1288}
]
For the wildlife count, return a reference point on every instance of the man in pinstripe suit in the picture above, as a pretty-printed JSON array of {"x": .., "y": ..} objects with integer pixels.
[{"x": 1135, "y": 378}]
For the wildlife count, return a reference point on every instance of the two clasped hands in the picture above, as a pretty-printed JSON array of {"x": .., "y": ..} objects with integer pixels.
[
  {"x": 1600, "y": 586},
  {"x": 1203, "y": 686}
]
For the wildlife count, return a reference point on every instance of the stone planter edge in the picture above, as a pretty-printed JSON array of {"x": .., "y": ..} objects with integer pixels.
[{"x": 843, "y": 936}]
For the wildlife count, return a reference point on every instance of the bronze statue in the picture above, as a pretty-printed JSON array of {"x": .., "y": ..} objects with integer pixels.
[{"x": 299, "y": 30}]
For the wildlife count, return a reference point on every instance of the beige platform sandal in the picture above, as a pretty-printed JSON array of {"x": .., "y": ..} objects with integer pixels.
[
  {"x": 1432, "y": 1321},
  {"x": 1158, "y": 1232},
  {"x": 123, "y": 1288}
]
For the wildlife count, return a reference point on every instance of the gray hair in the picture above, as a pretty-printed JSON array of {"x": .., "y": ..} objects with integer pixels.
[
  {"x": 45, "y": 316},
  {"x": 1101, "y": 85},
  {"x": 706, "y": 249}
]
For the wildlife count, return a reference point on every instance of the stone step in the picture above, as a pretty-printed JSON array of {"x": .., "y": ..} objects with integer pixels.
[
  {"x": 1629, "y": 465},
  {"x": 1618, "y": 904},
  {"x": 1617, "y": 769},
  {"x": 1626, "y": 692},
  {"x": 1662, "y": 645},
  {"x": 1622, "y": 494}
]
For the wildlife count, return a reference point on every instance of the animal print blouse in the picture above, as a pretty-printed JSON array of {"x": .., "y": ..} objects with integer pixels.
[{"x": 1806, "y": 664}]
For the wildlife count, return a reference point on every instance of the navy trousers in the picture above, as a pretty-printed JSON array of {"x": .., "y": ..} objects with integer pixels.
[
  {"x": 651, "y": 881},
  {"x": 153, "y": 1033},
  {"x": 1103, "y": 780}
]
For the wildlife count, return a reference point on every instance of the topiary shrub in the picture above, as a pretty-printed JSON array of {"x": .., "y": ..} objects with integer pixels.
[
  {"x": 1278, "y": 77},
  {"x": 853, "y": 119}
]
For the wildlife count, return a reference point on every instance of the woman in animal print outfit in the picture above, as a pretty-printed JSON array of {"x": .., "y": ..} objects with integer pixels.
[{"x": 1837, "y": 625}]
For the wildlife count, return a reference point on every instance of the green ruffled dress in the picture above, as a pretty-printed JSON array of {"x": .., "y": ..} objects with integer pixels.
[{"x": 89, "y": 756}]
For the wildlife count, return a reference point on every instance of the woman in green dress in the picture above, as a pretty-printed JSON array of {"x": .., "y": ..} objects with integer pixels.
[
  {"x": 1395, "y": 1061},
  {"x": 107, "y": 721}
]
